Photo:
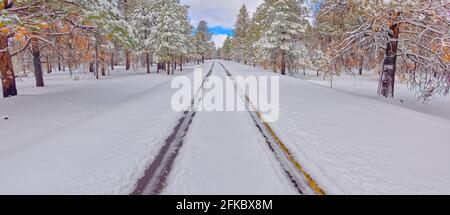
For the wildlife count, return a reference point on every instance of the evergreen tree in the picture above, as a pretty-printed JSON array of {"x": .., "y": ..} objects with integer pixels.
[
  {"x": 202, "y": 38},
  {"x": 240, "y": 43},
  {"x": 168, "y": 36},
  {"x": 143, "y": 20},
  {"x": 226, "y": 49},
  {"x": 287, "y": 20}
]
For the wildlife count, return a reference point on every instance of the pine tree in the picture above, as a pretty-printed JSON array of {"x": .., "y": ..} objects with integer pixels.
[
  {"x": 202, "y": 38},
  {"x": 142, "y": 18},
  {"x": 168, "y": 36},
  {"x": 256, "y": 29},
  {"x": 226, "y": 49},
  {"x": 186, "y": 27},
  {"x": 286, "y": 21},
  {"x": 240, "y": 45}
]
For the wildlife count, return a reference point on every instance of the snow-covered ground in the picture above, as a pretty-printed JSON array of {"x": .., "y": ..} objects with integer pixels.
[
  {"x": 99, "y": 136},
  {"x": 84, "y": 137},
  {"x": 352, "y": 144},
  {"x": 367, "y": 86},
  {"x": 224, "y": 153}
]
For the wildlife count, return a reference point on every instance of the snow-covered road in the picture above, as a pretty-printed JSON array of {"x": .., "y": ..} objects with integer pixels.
[
  {"x": 99, "y": 137},
  {"x": 224, "y": 153}
]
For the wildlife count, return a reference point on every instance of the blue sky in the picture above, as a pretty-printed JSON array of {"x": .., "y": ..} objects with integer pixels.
[
  {"x": 220, "y": 33},
  {"x": 221, "y": 30},
  {"x": 220, "y": 15}
]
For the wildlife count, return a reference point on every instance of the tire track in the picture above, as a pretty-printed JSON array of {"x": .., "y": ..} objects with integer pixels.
[{"x": 154, "y": 180}]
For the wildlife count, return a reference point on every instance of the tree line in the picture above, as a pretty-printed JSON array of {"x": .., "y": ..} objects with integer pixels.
[
  {"x": 96, "y": 36},
  {"x": 405, "y": 39}
]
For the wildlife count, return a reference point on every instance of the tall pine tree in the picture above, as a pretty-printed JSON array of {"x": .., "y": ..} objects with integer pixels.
[{"x": 286, "y": 20}]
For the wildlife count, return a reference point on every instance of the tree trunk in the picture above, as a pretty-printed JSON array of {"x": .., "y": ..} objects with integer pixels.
[
  {"x": 168, "y": 68},
  {"x": 127, "y": 60},
  {"x": 173, "y": 65},
  {"x": 103, "y": 69},
  {"x": 24, "y": 65},
  {"x": 181, "y": 63},
  {"x": 7, "y": 70},
  {"x": 37, "y": 63},
  {"x": 91, "y": 67},
  {"x": 69, "y": 65},
  {"x": 361, "y": 65},
  {"x": 147, "y": 59},
  {"x": 59, "y": 62},
  {"x": 387, "y": 80},
  {"x": 283, "y": 63},
  {"x": 49, "y": 65},
  {"x": 332, "y": 75},
  {"x": 103, "y": 63},
  {"x": 96, "y": 60},
  {"x": 112, "y": 60}
]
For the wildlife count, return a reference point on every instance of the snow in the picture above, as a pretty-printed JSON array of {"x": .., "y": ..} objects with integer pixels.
[
  {"x": 98, "y": 137},
  {"x": 225, "y": 154},
  {"x": 367, "y": 85},
  {"x": 85, "y": 137},
  {"x": 356, "y": 145}
]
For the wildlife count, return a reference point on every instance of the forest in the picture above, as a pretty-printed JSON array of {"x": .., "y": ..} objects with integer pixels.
[
  {"x": 95, "y": 36},
  {"x": 406, "y": 40},
  {"x": 403, "y": 39}
]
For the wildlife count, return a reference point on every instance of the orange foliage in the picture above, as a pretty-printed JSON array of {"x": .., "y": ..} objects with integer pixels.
[
  {"x": 109, "y": 37},
  {"x": 447, "y": 54},
  {"x": 4, "y": 31},
  {"x": 20, "y": 33},
  {"x": 43, "y": 26}
]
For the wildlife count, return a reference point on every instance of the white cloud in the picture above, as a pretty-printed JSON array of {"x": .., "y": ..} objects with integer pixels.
[
  {"x": 218, "y": 39},
  {"x": 218, "y": 12}
]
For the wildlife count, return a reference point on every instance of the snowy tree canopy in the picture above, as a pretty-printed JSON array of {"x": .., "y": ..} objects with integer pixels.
[
  {"x": 414, "y": 33},
  {"x": 286, "y": 20}
]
